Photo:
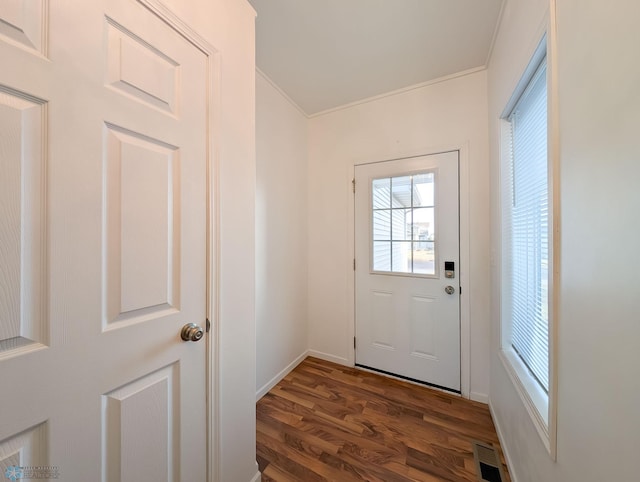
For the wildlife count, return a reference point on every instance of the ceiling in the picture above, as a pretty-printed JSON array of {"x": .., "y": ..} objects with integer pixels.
[{"x": 328, "y": 53}]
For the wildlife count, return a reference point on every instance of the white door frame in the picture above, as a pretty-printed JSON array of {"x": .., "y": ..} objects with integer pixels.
[
  {"x": 213, "y": 226},
  {"x": 465, "y": 265}
]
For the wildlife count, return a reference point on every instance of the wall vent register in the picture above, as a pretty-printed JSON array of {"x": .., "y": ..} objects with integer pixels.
[{"x": 488, "y": 465}]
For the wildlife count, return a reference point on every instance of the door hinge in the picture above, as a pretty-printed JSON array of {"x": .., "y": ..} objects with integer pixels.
[
  {"x": 353, "y": 184},
  {"x": 208, "y": 325},
  {"x": 354, "y": 342},
  {"x": 354, "y": 264}
]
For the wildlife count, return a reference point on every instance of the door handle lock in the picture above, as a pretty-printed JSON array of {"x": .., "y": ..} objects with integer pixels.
[
  {"x": 449, "y": 290},
  {"x": 191, "y": 332}
]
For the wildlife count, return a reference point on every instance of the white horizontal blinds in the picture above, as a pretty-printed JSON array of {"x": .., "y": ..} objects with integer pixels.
[{"x": 529, "y": 228}]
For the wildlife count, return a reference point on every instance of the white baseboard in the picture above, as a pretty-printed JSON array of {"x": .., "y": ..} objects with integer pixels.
[
  {"x": 283, "y": 373},
  {"x": 257, "y": 477},
  {"x": 479, "y": 397},
  {"x": 327, "y": 357},
  {"x": 505, "y": 448}
]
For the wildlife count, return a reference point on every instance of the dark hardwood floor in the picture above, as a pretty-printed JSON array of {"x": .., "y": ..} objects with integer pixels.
[{"x": 327, "y": 422}]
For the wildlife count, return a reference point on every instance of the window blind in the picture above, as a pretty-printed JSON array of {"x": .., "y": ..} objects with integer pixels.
[{"x": 527, "y": 228}]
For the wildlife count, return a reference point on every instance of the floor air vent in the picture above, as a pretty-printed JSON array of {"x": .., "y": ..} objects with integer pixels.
[{"x": 489, "y": 468}]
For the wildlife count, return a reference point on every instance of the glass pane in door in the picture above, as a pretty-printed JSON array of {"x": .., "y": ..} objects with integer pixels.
[{"x": 403, "y": 224}]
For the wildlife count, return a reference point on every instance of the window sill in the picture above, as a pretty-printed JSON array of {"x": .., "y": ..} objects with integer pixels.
[{"x": 534, "y": 398}]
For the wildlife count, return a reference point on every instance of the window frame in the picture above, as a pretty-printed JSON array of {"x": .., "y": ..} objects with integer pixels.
[{"x": 540, "y": 405}]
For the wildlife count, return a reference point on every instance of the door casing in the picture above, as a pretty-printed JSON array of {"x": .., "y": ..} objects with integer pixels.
[{"x": 465, "y": 328}]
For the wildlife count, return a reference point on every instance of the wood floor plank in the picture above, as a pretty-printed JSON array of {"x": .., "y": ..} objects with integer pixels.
[
  {"x": 277, "y": 429},
  {"x": 411, "y": 473},
  {"x": 327, "y": 422},
  {"x": 285, "y": 460},
  {"x": 274, "y": 474},
  {"x": 435, "y": 466}
]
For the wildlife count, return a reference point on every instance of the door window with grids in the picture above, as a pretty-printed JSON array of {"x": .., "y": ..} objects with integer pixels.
[{"x": 403, "y": 224}]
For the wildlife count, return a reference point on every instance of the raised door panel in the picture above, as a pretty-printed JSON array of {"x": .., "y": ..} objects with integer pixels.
[
  {"x": 382, "y": 309},
  {"x": 142, "y": 227},
  {"x": 422, "y": 331},
  {"x": 141, "y": 71},
  {"x": 22, "y": 210},
  {"x": 25, "y": 23},
  {"x": 141, "y": 427},
  {"x": 25, "y": 455}
]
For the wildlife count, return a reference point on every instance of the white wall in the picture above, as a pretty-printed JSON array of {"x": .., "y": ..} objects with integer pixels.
[
  {"x": 445, "y": 115},
  {"x": 281, "y": 235},
  {"x": 229, "y": 26},
  {"x": 598, "y": 328}
]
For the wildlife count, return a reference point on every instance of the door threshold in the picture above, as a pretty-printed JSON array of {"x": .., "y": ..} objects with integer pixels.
[{"x": 409, "y": 379}]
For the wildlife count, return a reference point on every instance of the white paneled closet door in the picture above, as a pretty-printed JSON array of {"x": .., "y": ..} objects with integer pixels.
[{"x": 103, "y": 154}]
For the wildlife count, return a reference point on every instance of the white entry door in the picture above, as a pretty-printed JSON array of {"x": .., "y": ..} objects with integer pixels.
[
  {"x": 103, "y": 192},
  {"x": 407, "y": 244}
]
